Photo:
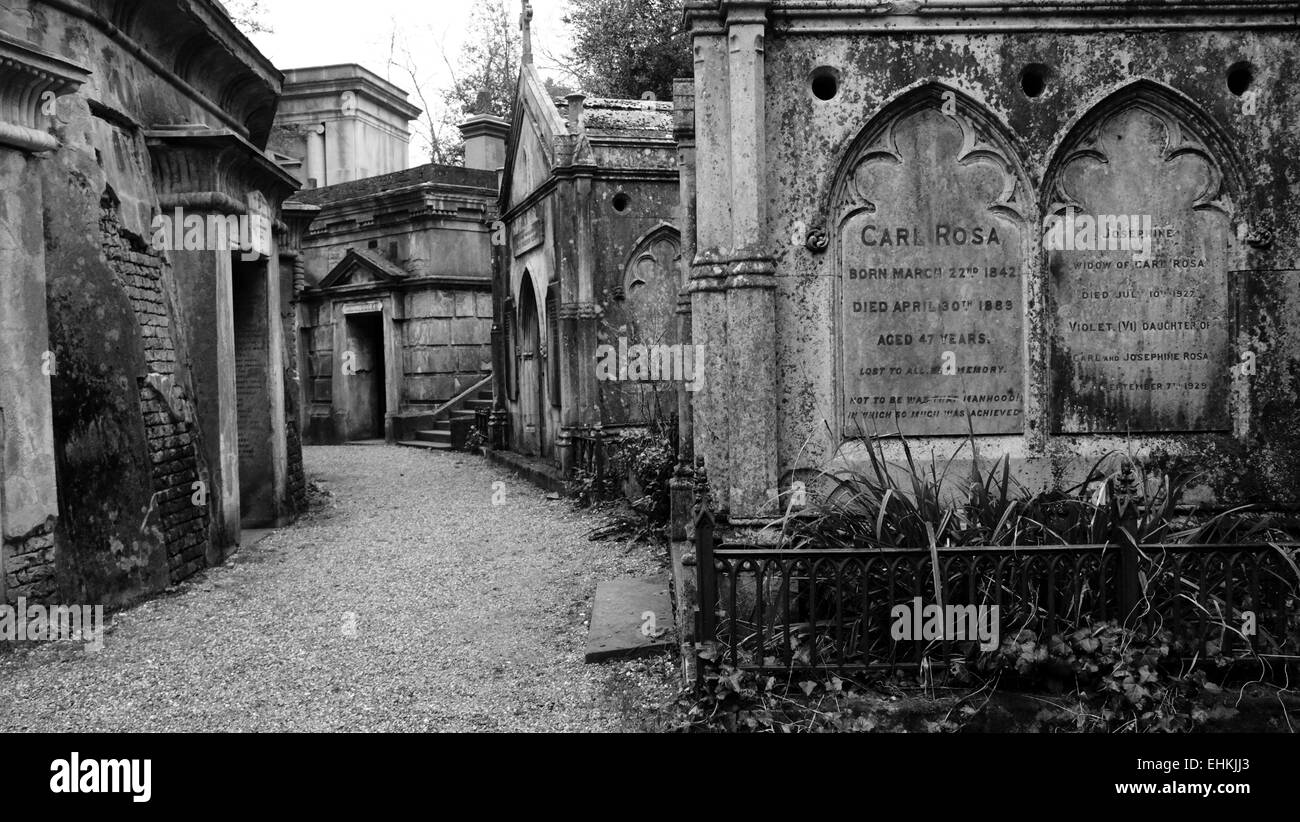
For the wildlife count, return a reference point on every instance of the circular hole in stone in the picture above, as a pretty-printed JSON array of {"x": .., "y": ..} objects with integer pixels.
[
  {"x": 621, "y": 202},
  {"x": 1240, "y": 76},
  {"x": 825, "y": 83},
  {"x": 1033, "y": 80}
]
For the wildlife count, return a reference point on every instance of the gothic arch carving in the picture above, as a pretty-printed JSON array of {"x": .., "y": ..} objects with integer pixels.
[
  {"x": 931, "y": 198},
  {"x": 657, "y": 253},
  {"x": 1139, "y": 204},
  {"x": 984, "y": 142},
  {"x": 1188, "y": 133}
]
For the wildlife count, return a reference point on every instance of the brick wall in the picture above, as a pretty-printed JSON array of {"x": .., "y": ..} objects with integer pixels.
[
  {"x": 29, "y": 566},
  {"x": 168, "y": 408}
]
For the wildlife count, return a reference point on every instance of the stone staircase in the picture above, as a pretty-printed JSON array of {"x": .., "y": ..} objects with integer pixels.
[{"x": 452, "y": 423}]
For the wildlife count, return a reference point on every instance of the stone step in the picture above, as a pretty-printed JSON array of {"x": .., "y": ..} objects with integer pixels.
[
  {"x": 439, "y": 435},
  {"x": 428, "y": 446}
]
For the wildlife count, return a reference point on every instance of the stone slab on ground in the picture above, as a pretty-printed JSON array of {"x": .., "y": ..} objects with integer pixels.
[{"x": 620, "y": 621}]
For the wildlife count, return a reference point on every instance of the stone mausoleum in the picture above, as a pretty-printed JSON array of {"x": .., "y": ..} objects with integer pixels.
[
  {"x": 587, "y": 269},
  {"x": 142, "y": 381},
  {"x": 394, "y": 297},
  {"x": 1049, "y": 230},
  {"x": 342, "y": 123}
]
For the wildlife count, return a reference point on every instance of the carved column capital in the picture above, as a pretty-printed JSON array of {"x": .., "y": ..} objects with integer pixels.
[
  {"x": 30, "y": 81},
  {"x": 213, "y": 170}
]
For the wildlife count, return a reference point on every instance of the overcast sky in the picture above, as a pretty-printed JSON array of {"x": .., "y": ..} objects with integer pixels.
[{"x": 321, "y": 32}]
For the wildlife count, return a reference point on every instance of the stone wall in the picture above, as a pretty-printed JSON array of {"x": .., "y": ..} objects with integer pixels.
[
  {"x": 97, "y": 378},
  {"x": 446, "y": 342},
  {"x": 179, "y": 472}
]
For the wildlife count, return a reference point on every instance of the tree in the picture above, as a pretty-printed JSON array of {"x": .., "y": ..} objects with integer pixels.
[
  {"x": 624, "y": 48},
  {"x": 488, "y": 63},
  {"x": 247, "y": 15},
  {"x": 482, "y": 80}
]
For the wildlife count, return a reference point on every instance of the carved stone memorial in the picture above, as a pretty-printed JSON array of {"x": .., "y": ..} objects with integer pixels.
[
  {"x": 931, "y": 264},
  {"x": 1137, "y": 244}
]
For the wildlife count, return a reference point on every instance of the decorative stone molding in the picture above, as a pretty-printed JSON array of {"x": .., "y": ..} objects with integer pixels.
[
  {"x": 708, "y": 272},
  {"x": 213, "y": 170},
  {"x": 571, "y": 311},
  {"x": 751, "y": 272},
  {"x": 295, "y": 219},
  {"x": 30, "y": 81}
]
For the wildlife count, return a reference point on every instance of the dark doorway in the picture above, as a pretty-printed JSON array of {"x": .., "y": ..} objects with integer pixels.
[
  {"x": 253, "y": 393},
  {"x": 363, "y": 376}
]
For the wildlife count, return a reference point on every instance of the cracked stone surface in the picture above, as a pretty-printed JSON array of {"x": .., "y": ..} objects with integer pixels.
[{"x": 406, "y": 601}]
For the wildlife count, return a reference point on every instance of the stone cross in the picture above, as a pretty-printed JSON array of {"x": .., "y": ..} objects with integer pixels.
[{"x": 525, "y": 26}]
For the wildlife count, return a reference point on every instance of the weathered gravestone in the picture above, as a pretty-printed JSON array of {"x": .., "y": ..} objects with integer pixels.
[
  {"x": 1137, "y": 245},
  {"x": 933, "y": 249}
]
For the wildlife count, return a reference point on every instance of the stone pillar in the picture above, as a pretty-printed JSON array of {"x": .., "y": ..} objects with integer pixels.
[
  {"x": 296, "y": 218},
  {"x": 712, "y": 125},
  {"x": 500, "y": 290},
  {"x": 30, "y": 83},
  {"x": 681, "y": 486},
  {"x": 586, "y": 310},
  {"x": 569, "y": 352},
  {"x": 751, "y": 380}
]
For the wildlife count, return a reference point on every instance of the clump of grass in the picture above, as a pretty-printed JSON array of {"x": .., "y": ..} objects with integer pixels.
[{"x": 910, "y": 505}]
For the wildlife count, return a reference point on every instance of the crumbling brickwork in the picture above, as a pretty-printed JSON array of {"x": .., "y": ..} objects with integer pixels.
[
  {"x": 179, "y": 476},
  {"x": 29, "y": 566}
]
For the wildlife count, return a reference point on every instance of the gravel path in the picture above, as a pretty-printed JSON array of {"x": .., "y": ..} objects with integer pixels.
[{"x": 407, "y": 601}]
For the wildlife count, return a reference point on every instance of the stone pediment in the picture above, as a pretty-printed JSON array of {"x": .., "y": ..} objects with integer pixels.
[{"x": 363, "y": 268}]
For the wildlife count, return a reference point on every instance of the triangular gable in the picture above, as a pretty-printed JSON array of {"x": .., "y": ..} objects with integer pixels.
[
  {"x": 535, "y": 123},
  {"x": 362, "y": 268}
]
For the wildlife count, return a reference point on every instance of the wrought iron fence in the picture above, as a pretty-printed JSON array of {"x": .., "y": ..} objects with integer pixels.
[{"x": 774, "y": 609}]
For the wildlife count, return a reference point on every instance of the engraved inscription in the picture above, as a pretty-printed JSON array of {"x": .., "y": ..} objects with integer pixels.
[
  {"x": 1137, "y": 245},
  {"x": 931, "y": 267}
]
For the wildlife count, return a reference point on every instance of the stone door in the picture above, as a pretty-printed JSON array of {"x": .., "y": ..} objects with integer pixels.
[{"x": 531, "y": 433}]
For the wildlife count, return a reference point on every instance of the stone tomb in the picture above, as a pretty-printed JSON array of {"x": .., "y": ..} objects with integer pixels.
[{"x": 1040, "y": 223}]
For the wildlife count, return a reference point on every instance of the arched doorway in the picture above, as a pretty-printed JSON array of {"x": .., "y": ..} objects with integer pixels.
[{"x": 531, "y": 420}]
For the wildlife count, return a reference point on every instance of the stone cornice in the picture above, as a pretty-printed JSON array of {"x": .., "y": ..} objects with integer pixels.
[
  {"x": 940, "y": 16},
  {"x": 213, "y": 169},
  {"x": 887, "y": 17},
  {"x": 28, "y": 76},
  {"x": 194, "y": 46},
  {"x": 464, "y": 283},
  {"x": 295, "y": 218}
]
